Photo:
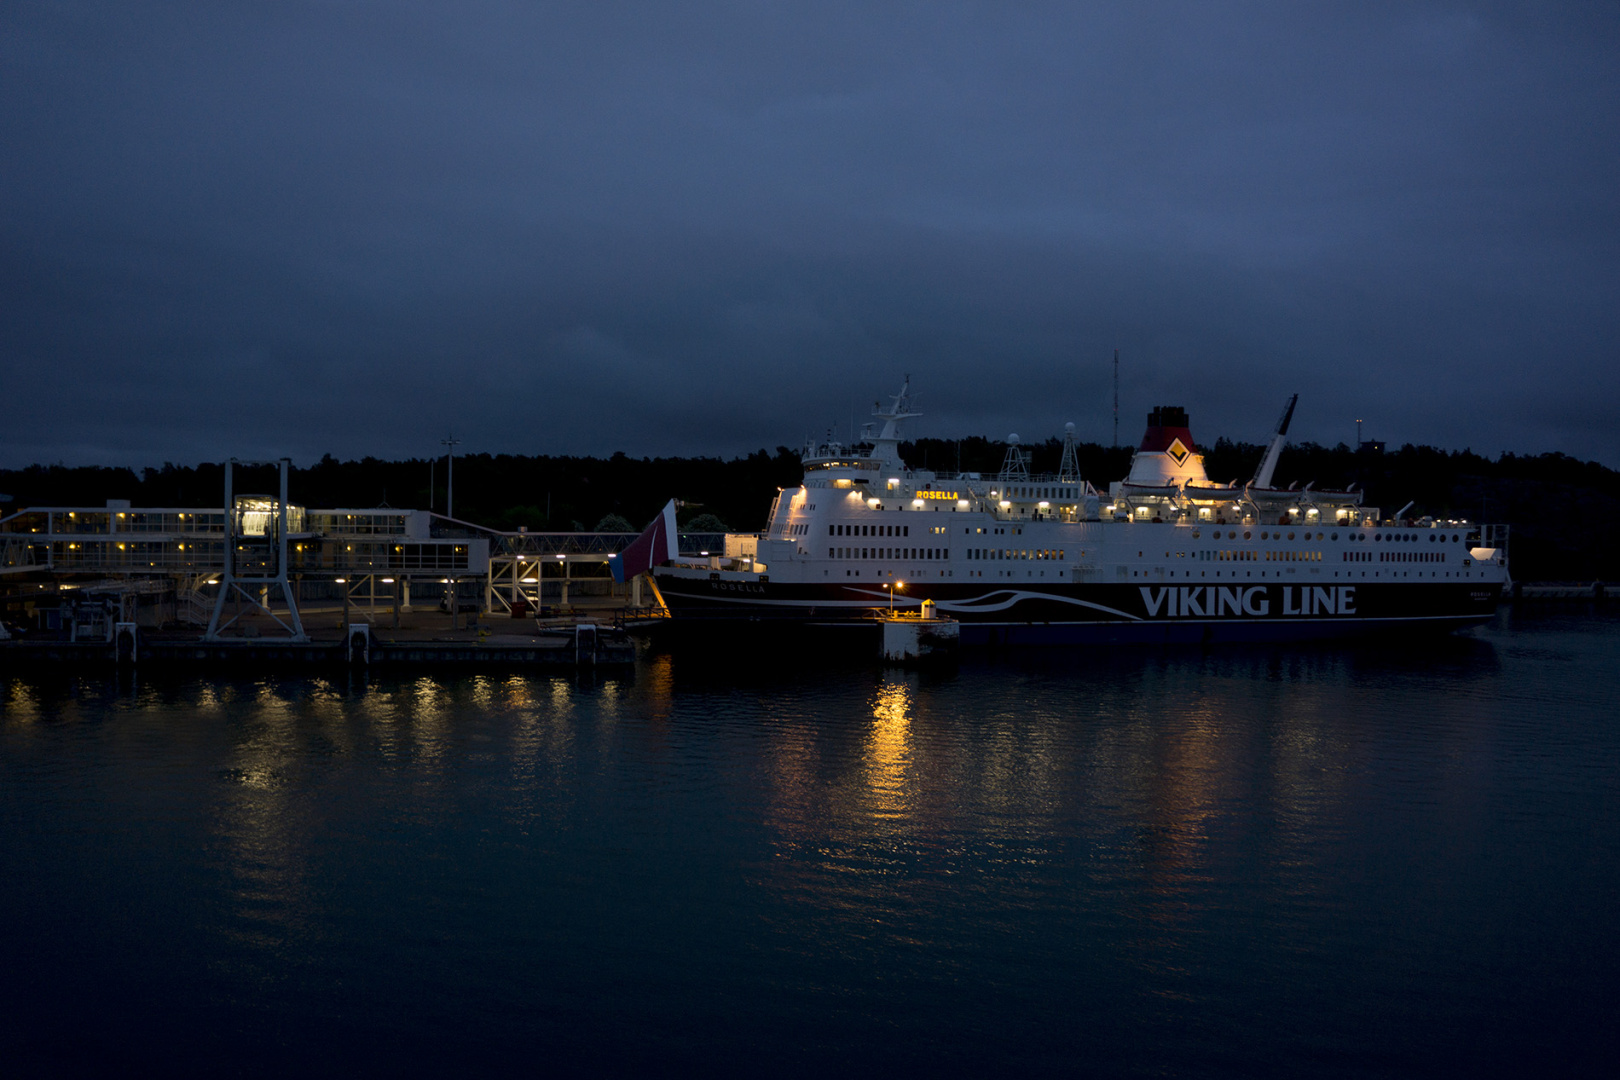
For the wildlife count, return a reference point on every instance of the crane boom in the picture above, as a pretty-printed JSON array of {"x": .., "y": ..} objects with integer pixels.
[{"x": 1268, "y": 464}]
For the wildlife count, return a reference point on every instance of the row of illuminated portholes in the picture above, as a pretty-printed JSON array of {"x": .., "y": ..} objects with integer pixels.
[{"x": 1392, "y": 537}]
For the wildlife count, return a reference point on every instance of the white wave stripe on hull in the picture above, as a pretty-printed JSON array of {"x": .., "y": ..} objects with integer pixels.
[{"x": 1014, "y": 596}]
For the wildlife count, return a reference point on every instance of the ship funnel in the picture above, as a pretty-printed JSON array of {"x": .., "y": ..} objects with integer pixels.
[{"x": 1167, "y": 454}]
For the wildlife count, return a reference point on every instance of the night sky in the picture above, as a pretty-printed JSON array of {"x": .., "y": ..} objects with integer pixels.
[{"x": 298, "y": 228}]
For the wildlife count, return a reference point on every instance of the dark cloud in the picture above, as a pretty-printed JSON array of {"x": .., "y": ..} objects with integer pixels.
[{"x": 294, "y": 229}]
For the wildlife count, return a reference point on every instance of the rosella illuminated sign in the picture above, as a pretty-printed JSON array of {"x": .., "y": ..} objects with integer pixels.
[{"x": 936, "y": 494}]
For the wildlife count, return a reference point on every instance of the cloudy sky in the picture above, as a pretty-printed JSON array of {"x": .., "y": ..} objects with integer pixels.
[{"x": 298, "y": 228}]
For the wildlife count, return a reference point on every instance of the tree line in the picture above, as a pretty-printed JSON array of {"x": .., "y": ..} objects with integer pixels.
[{"x": 1562, "y": 510}]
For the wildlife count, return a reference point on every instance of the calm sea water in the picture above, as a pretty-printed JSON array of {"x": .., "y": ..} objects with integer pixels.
[{"x": 1342, "y": 861}]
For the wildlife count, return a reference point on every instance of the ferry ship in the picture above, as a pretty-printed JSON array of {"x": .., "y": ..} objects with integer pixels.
[{"x": 1166, "y": 555}]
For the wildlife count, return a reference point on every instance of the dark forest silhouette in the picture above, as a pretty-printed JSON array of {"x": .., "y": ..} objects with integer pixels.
[{"x": 1561, "y": 509}]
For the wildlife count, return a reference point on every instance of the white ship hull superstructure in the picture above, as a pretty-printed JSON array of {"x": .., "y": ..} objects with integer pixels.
[{"x": 1165, "y": 555}]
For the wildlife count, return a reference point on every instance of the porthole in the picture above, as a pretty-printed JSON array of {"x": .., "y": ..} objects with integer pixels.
[
  {"x": 1264, "y": 536},
  {"x": 1290, "y": 536},
  {"x": 1195, "y": 534},
  {"x": 1246, "y": 534},
  {"x": 1319, "y": 536},
  {"x": 1376, "y": 538}
]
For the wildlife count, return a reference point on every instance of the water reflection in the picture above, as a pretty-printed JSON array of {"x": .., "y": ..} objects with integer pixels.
[
  {"x": 1146, "y": 842},
  {"x": 888, "y": 751},
  {"x": 261, "y": 836}
]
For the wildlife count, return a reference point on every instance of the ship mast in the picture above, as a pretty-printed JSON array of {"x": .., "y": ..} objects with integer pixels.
[{"x": 886, "y": 444}]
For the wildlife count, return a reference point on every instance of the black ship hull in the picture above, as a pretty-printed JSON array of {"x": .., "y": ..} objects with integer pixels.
[{"x": 1089, "y": 613}]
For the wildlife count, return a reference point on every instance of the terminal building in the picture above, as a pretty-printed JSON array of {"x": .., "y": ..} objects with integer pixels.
[{"x": 79, "y": 570}]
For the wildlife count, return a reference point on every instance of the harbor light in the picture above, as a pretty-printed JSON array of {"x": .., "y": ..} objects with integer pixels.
[
  {"x": 529, "y": 580},
  {"x": 388, "y": 581}
]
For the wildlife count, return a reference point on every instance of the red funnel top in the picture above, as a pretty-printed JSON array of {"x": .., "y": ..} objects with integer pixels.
[{"x": 1167, "y": 425}]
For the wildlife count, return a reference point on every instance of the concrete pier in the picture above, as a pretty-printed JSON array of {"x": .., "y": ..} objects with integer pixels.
[
  {"x": 911, "y": 639},
  {"x": 425, "y": 636}
]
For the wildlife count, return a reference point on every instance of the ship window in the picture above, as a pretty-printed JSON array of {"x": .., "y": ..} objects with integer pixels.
[{"x": 1246, "y": 535}]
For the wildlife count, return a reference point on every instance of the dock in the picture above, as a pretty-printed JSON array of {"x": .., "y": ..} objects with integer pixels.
[
  {"x": 1559, "y": 590},
  {"x": 586, "y": 638}
]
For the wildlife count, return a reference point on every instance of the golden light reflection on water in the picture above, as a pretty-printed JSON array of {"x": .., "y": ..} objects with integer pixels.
[
  {"x": 888, "y": 750},
  {"x": 429, "y": 715},
  {"x": 22, "y": 704}
]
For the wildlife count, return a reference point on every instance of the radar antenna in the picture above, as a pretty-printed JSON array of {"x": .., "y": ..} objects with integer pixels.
[
  {"x": 1069, "y": 468},
  {"x": 1015, "y": 465}
]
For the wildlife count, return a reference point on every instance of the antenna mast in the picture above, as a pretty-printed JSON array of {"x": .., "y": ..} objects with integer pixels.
[
  {"x": 1116, "y": 397},
  {"x": 450, "y": 441}
]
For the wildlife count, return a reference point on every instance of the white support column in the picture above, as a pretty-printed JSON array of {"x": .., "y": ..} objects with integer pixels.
[
  {"x": 281, "y": 563},
  {"x": 227, "y": 577}
]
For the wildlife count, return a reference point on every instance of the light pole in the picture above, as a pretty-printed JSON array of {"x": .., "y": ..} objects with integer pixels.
[
  {"x": 450, "y": 441},
  {"x": 891, "y": 587}
]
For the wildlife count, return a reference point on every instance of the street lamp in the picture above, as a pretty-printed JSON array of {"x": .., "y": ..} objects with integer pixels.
[{"x": 891, "y": 586}]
